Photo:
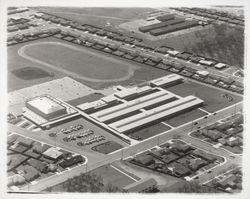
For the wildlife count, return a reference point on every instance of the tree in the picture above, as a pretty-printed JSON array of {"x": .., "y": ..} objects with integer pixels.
[
  {"x": 111, "y": 189},
  {"x": 195, "y": 187}
]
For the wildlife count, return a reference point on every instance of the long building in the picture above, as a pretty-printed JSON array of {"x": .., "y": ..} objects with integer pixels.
[
  {"x": 166, "y": 81},
  {"x": 160, "y": 25},
  {"x": 164, "y": 111},
  {"x": 130, "y": 109},
  {"x": 173, "y": 28}
]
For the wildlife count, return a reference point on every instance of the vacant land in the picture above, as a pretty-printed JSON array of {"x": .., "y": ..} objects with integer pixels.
[
  {"x": 150, "y": 131},
  {"x": 103, "y": 17},
  {"x": 213, "y": 97},
  {"x": 30, "y": 73},
  {"x": 185, "y": 117},
  {"x": 97, "y": 180},
  {"x": 221, "y": 42}
]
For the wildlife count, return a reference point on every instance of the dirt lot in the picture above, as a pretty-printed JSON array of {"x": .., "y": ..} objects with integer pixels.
[{"x": 213, "y": 97}]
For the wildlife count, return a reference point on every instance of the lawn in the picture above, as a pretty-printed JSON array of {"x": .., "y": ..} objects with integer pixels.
[
  {"x": 112, "y": 176},
  {"x": 30, "y": 73},
  {"x": 185, "y": 117},
  {"x": 150, "y": 131},
  {"x": 213, "y": 97},
  {"x": 107, "y": 147}
]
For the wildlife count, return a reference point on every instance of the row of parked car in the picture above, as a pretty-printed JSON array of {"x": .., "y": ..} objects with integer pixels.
[{"x": 92, "y": 140}]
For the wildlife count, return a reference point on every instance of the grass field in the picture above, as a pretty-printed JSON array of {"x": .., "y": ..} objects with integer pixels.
[
  {"x": 107, "y": 147},
  {"x": 30, "y": 73},
  {"x": 109, "y": 175},
  {"x": 80, "y": 61},
  {"x": 150, "y": 131},
  {"x": 15, "y": 63},
  {"x": 98, "y": 16},
  {"x": 220, "y": 42},
  {"x": 185, "y": 117},
  {"x": 213, "y": 97},
  {"x": 142, "y": 74}
]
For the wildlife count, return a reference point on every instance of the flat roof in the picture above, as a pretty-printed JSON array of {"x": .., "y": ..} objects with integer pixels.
[
  {"x": 94, "y": 104},
  {"x": 135, "y": 107},
  {"x": 166, "y": 79},
  {"x": 156, "y": 113},
  {"x": 52, "y": 152},
  {"x": 108, "y": 99},
  {"x": 129, "y": 104},
  {"x": 220, "y": 65},
  {"x": 125, "y": 93},
  {"x": 45, "y": 104}
]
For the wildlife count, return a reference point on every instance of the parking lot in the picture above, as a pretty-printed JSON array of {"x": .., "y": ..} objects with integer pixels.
[{"x": 82, "y": 134}]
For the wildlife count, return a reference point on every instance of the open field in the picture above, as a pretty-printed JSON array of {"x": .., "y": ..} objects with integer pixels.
[
  {"x": 150, "y": 131},
  {"x": 108, "y": 174},
  {"x": 112, "y": 176},
  {"x": 220, "y": 42},
  {"x": 98, "y": 16},
  {"x": 142, "y": 74},
  {"x": 185, "y": 117},
  {"x": 78, "y": 62},
  {"x": 15, "y": 63},
  {"x": 213, "y": 97}
]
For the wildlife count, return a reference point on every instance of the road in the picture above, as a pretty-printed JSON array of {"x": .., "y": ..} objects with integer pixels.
[{"x": 128, "y": 151}]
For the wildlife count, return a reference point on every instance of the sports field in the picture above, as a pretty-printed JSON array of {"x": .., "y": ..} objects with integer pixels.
[
  {"x": 77, "y": 62},
  {"x": 213, "y": 97},
  {"x": 15, "y": 62}
]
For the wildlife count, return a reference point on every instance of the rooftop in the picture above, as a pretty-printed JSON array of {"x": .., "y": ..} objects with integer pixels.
[{"x": 45, "y": 104}]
